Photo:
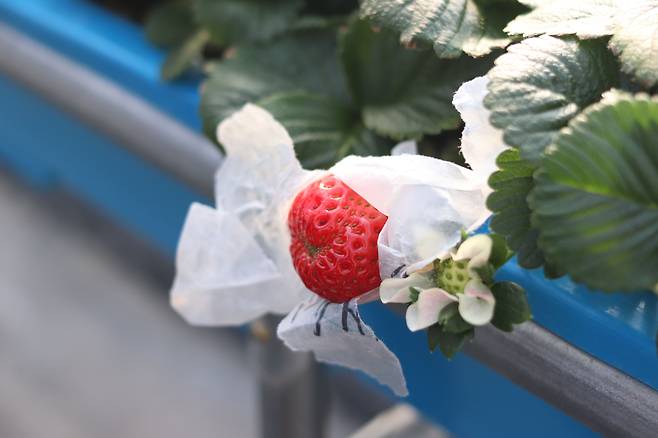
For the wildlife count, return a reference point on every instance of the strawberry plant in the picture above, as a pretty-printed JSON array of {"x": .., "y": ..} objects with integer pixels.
[
  {"x": 576, "y": 191},
  {"x": 571, "y": 91},
  {"x": 341, "y": 85}
]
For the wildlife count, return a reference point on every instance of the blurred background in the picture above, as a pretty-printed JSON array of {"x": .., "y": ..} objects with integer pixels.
[{"x": 91, "y": 348}]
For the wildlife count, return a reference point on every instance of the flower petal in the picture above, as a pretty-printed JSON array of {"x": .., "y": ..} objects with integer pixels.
[
  {"x": 477, "y": 249},
  {"x": 396, "y": 290},
  {"x": 477, "y": 303},
  {"x": 425, "y": 312}
]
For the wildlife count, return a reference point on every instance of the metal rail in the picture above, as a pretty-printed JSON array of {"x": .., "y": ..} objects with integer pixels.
[
  {"x": 293, "y": 388},
  {"x": 589, "y": 390},
  {"x": 607, "y": 400},
  {"x": 122, "y": 116}
]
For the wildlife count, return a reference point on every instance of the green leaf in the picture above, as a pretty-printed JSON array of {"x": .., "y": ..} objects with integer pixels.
[
  {"x": 414, "y": 293},
  {"x": 511, "y": 213},
  {"x": 535, "y": 3},
  {"x": 511, "y": 218},
  {"x": 310, "y": 22},
  {"x": 631, "y": 24},
  {"x": 324, "y": 130},
  {"x": 448, "y": 312},
  {"x": 511, "y": 306},
  {"x": 636, "y": 40},
  {"x": 596, "y": 196},
  {"x": 185, "y": 57},
  {"x": 304, "y": 61},
  {"x": 451, "y": 321},
  {"x": 450, "y": 26},
  {"x": 553, "y": 270},
  {"x": 500, "y": 252},
  {"x": 170, "y": 24},
  {"x": 330, "y": 7},
  {"x": 238, "y": 21},
  {"x": 486, "y": 273},
  {"x": 541, "y": 83},
  {"x": 450, "y": 343},
  {"x": 402, "y": 93},
  {"x": 584, "y": 18},
  {"x": 433, "y": 333}
]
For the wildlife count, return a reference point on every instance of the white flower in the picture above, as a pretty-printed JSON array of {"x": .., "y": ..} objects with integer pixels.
[
  {"x": 398, "y": 290},
  {"x": 476, "y": 250},
  {"x": 425, "y": 311},
  {"x": 476, "y": 302}
]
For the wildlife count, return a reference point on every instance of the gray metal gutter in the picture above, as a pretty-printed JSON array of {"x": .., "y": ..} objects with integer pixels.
[
  {"x": 602, "y": 397},
  {"x": 125, "y": 118}
]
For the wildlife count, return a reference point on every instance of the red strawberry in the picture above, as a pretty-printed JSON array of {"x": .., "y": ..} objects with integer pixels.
[{"x": 334, "y": 240}]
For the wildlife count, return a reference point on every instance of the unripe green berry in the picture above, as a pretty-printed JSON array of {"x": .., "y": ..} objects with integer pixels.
[{"x": 451, "y": 275}]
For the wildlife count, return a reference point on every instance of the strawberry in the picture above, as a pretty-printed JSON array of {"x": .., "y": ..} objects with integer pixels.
[{"x": 334, "y": 240}]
